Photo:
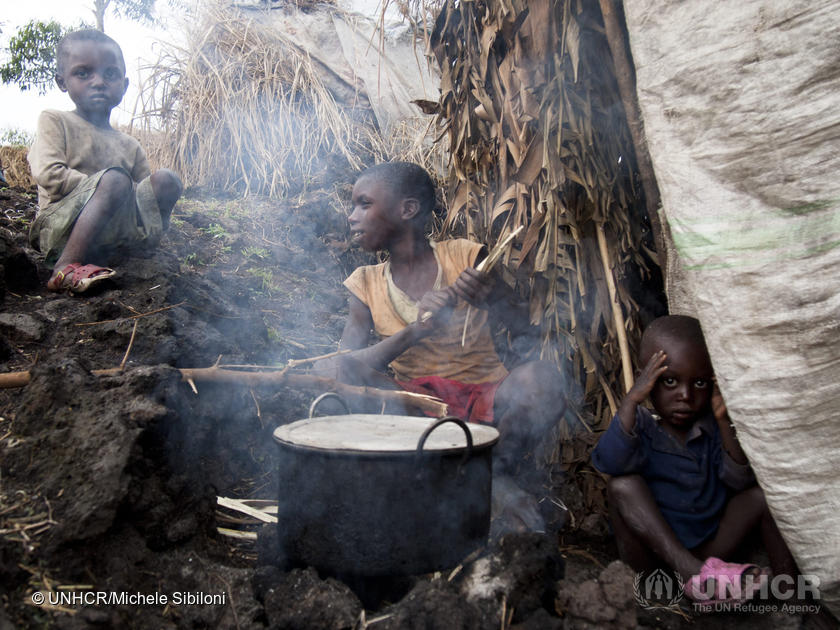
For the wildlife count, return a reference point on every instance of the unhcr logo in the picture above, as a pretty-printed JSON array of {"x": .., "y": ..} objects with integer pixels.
[
  {"x": 761, "y": 594},
  {"x": 658, "y": 589}
]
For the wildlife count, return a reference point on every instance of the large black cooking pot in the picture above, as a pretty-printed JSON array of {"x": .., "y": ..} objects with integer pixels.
[{"x": 377, "y": 495}]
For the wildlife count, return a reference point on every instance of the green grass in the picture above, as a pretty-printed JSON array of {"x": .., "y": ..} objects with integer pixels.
[
  {"x": 267, "y": 276},
  {"x": 215, "y": 231},
  {"x": 253, "y": 251}
]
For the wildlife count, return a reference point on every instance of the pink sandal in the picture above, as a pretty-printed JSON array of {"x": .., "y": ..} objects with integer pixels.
[
  {"x": 723, "y": 582},
  {"x": 79, "y": 278}
]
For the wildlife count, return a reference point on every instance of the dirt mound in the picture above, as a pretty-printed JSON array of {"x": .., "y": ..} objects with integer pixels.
[{"x": 107, "y": 473}]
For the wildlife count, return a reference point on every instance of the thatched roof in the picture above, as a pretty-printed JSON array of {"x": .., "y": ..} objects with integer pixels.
[{"x": 256, "y": 102}]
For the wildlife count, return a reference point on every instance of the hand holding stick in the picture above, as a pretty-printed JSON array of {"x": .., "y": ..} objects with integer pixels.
[{"x": 486, "y": 266}]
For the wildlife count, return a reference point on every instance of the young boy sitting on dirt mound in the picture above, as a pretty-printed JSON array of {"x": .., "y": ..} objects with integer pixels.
[
  {"x": 96, "y": 191},
  {"x": 682, "y": 493},
  {"x": 416, "y": 303}
]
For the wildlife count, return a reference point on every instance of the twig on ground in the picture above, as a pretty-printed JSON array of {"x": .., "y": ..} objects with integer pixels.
[
  {"x": 130, "y": 343},
  {"x": 119, "y": 319},
  {"x": 230, "y": 595},
  {"x": 583, "y": 553},
  {"x": 257, "y": 404}
]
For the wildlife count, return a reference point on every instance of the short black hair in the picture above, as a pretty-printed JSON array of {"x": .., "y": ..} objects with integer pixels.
[
  {"x": 406, "y": 179},
  {"x": 85, "y": 34},
  {"x": 677, "y": 327}
]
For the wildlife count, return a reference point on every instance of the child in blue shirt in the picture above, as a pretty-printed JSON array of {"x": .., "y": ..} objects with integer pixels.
[{"x": 682, "y": 493}]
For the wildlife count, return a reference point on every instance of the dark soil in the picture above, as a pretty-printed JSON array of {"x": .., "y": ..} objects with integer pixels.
[{"x": 109, "y": 482}]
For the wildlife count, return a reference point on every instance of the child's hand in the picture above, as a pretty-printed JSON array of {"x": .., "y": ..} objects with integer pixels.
[
  {"x": 474, "y": 287},
  {"x": 728, "y": 439},
  {"x": 647, "y": 378},
  {"x": 641, "y": 390},
  {"x": 433, "y": 309},
  {"x": 719, "y": 406}
]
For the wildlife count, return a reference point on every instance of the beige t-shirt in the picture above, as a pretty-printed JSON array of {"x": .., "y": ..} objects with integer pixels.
[
  {"x": 68, "y": 148},
  {"x": 439, "y": 354}
]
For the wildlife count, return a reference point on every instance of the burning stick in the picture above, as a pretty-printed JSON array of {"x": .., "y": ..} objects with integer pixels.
[{"x": 486, "y": 266}]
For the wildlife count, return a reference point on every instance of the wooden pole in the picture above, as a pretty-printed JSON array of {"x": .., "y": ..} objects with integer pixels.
[
  {"x": 618, "y": 314},
  {"x": 625, "y": 75}
]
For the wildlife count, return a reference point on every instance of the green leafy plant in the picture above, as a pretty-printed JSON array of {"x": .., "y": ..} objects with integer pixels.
[
  {"x": 31, "y": 55},
  {"x": 16, "y": 137}
]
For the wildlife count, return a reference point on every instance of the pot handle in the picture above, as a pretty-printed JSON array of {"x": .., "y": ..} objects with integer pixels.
[
  {"x": 323, "y": 397},
  {"x": 467, "y": 453}
]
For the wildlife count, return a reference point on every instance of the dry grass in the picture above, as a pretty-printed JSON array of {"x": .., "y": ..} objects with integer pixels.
[
  {"x": 15, "y": 167},
  {"x": 532, "y": 117},
  {"x": 242, "y": 108}
]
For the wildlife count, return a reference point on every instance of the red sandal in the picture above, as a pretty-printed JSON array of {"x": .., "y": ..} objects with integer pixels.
[{"x": 78, "y": 278}]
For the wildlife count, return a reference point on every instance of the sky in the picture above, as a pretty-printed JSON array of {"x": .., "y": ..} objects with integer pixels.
[{"x": 20, "y": 109}]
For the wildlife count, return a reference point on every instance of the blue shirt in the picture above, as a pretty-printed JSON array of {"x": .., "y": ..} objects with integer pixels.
[{"x": 689, "y": 482}]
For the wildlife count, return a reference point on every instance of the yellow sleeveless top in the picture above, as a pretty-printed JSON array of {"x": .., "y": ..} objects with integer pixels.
[{"x": 439, "y": 354}]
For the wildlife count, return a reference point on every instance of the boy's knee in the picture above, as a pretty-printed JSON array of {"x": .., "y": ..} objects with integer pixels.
[
  {"x": 115, "y": 183},
  {"x": 753, "y": 499},
  {"x": 536, "y": 387},
  {"x": 167, "y": 186},
  {"x": 624, "y": 488}
]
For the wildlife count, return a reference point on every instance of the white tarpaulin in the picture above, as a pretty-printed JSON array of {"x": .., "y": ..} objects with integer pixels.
[{"x": 741, "y": 107}]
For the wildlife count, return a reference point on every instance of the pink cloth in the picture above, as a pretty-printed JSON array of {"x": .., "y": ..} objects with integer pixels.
[{"x": 472, "y": 402}]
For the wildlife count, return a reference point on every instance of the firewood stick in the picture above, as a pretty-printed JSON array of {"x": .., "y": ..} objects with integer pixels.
[
  {"x": 485, "y": 267},
  {"x": 311, "y": 381},
  {"x": 239, "y": 506},
  {"x": 625, "y": 79},
  {"x": 425, "y": 403}
]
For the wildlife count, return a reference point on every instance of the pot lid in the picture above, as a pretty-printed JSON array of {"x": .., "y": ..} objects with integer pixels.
[{"x": 373, "y": 433}]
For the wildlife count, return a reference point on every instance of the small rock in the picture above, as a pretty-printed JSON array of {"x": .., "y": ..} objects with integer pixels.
[
  {"x": 21, "y": 326},
  {"x": 607, "y": 601},
  {"x": 617, "y": 583},
  {"x": 589, "y": 603}
]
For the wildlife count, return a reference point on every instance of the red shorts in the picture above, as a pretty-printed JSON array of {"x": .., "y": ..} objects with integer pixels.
[{"x": 472, "y": 402}]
